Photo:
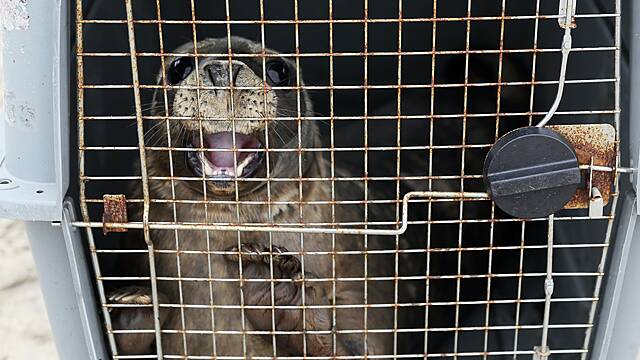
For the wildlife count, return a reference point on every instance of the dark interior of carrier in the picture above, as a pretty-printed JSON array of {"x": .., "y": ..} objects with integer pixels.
[{"x": 514, "y": 326}]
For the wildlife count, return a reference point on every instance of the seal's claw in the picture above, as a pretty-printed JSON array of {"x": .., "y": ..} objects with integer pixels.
[
  {"x": 134, "y": 318},
  {"x": 287, "y": 264}
]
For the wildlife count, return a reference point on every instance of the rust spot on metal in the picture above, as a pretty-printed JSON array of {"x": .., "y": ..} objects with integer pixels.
[
  {"x": 597, "y": 142},
  {"x": 115, "y": 211}
]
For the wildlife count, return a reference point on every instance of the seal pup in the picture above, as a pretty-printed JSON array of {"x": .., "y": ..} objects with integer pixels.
[{"x": 234, "y": 158}]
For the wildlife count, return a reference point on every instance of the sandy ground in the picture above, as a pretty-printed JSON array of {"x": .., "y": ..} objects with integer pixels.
[{"x": 24, "y": 329}]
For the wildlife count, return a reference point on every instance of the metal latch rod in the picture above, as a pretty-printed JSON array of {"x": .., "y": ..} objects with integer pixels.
[
  {"x": 543, "y": 352},
  {"x": 567, "y": 10},
  {"x": 292, "y": 228}
]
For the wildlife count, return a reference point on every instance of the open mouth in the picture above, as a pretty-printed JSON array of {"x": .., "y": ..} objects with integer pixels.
[{"x": 220, "y": 161}]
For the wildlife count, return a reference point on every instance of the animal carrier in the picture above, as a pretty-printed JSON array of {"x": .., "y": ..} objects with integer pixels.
[{"x": 326, "y": 179}]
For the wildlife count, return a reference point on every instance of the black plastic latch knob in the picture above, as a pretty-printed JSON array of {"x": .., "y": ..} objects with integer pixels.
[{"x": 531, "y": 172}]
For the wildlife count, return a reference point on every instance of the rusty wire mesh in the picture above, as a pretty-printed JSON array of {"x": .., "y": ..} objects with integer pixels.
[{"x": 408, "y": 96}]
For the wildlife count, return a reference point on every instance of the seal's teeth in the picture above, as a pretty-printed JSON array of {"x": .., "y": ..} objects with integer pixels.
[
  {"x": 220, "y": 172},
  {"x": 209, "y": 170},
  {"x": 215, "y": 171},
  {"x": 246, "y": 161}
]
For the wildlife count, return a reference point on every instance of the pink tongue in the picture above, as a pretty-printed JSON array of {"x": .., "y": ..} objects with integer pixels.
[{"x": 224, "y": 140}]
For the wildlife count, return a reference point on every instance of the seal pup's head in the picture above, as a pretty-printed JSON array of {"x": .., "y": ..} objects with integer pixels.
[{"x": 226, "y": 110}]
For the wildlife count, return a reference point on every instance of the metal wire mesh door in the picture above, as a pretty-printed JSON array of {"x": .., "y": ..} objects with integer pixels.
[{"x": 308, "y": 123}]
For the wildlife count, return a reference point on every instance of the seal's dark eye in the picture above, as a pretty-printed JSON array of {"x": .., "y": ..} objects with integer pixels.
[
  {"x": 180, "y": 69},
  {"x": 277, "y": 73}
]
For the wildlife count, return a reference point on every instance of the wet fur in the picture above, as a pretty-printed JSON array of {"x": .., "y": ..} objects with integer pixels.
[{"x": 216, "y": 254}]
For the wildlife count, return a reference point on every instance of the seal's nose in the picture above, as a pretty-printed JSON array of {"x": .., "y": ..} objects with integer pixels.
[{"x": 219, "y": 74}]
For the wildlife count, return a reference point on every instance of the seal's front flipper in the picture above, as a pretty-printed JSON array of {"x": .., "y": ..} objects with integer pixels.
[
  {"x": 136, "y": 317},
  {"x": 275, "y": 268}
]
